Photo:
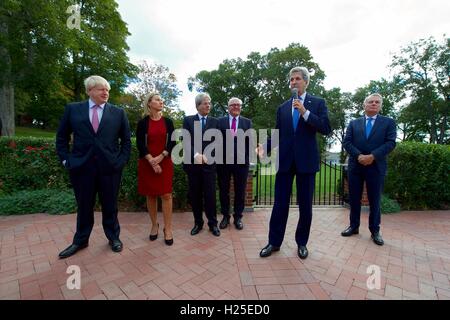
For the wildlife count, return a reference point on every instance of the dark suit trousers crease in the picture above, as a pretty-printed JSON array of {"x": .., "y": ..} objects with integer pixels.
[
  {"x": 374, "y": 182},
  {"x": 283, "y": 189},
  {"x": 202, "y": 193},
  {"x": 239, "y": 174},
  {"x": 87, "y": 182}
]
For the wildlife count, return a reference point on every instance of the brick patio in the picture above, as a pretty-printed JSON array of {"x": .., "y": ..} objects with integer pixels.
[{"x": 415, "y": 261}]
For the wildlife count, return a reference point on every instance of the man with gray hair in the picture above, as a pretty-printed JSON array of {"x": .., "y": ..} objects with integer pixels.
[
  {"x": 200, "y": 170},
  {"x": 101, "y": 148},
  {"x": 299, "y": 119},
  {"x": 368, "y": 141},
  {"x": 236, "y": 162}
]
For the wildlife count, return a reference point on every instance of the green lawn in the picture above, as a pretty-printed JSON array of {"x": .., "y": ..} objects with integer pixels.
[
  {"x": 33, "y": 132},
  {"x": 327, "y": 180}
]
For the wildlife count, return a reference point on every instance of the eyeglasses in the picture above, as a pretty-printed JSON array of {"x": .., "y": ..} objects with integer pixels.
[{"x": 234, "y": 105}]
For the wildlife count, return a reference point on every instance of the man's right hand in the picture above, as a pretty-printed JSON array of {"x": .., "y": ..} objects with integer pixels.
[
  {"x": 260, "y": 150},
  {"x": 198, "y": 159}
]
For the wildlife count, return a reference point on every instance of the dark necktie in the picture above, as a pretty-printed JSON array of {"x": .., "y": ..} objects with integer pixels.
[{"x": 203, "y": 124}]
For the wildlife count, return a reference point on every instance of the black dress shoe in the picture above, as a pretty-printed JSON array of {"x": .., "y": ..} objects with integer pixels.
[
  {"x": 238, "y": 224},
  {"x": 349, "y": 231},
  {"x": 116, "y": 245},
  {"x": 302, "y": 252},
  {"x": 225, "y": 222},
  {"x": 215, "y": 231},
  {"x": 71, "y": 250},
  {"x": 169, "y": 242},
  {"x": 153, "y": 237},
  {"x": 196, "y": 229},
  {"x": 376, "y": 237},
  {"x": 267, "y": 250}
]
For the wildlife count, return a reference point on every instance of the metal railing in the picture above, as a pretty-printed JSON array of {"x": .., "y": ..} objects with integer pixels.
[{"x": 329, "y": 185}]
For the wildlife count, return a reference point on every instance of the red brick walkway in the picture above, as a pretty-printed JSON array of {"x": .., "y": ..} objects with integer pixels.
[{"x": 414, "y": 262}]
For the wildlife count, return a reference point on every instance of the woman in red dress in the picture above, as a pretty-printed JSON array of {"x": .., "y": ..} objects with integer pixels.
[{"x": 155, "y": 167}]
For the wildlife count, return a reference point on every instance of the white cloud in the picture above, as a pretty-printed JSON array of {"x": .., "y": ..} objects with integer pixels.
[{"x": 352, "y": 40}]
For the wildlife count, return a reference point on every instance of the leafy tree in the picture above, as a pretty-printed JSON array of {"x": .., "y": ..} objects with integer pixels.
[
  {"x": 260, "y": 81},
  {"x": 31, "y": 42},
  {"x": 424, "y": 68},
  {"x": 340, "y": 107},
  {"x": 98, "y": 47},
  {"x": 153, "y": 77},
  {"x": 43, "y": 62},
  {"x": 392, "y": 92}
]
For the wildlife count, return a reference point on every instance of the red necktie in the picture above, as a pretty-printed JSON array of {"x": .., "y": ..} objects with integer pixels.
[{"x": 95, "y": 122}]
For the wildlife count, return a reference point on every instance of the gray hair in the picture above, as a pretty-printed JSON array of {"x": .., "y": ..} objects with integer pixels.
[
  {"x": 199, "y": 98},
  {"x": 376, "y": 94},
  {"x": 94, "y": 81},
  {"x": 304, "y": 72},
  {"x": 234, "y": 99}
]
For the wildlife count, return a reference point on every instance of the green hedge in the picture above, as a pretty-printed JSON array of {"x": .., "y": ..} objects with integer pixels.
[
  {"x": 418, "y": 175},
  {"x": 38, "y": 201},
  {"x": 29, "y": 164}
]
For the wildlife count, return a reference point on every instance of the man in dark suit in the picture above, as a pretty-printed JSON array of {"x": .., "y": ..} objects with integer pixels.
[
  {"x": 368, "y": 141},
  {"x": 298, "y": 121},
  {"x": 236, "y": 162},
  {"x": 200, "y": 167},
  {"x": 95, "y": 161}
]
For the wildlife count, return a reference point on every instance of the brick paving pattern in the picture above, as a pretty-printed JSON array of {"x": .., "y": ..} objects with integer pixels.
[{"x": 414, "y": 262}]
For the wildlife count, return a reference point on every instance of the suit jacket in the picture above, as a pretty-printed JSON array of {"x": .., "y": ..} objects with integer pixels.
[
  {"x": 188, "y": 124},
  {"x": 141, "y": 136},
  {"x": 86, "y": 143},
  {"x": 300, "y": 147},
  {"x": 243, "y": 155},
  {"x": 381, "y": 141}
]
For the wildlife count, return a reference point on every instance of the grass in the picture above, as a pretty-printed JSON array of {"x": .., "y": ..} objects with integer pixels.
[
  {"x": 34, "y": 132},
  {"x": 327, "y": 180}
]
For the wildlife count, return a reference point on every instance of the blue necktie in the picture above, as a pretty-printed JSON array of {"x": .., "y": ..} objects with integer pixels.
[
  {"x": 368, "y": 127},
  {"x": 203, "y": 124},
  {"x": 295, "y": 117}
]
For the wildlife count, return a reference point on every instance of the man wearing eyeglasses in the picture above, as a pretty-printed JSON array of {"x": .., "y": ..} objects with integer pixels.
[
  {"x": 299, "y": 119},
  {"x": 235, "y": 163}
]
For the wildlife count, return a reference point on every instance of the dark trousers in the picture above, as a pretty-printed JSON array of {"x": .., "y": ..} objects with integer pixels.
[
  {"x": 87, "y": 183},
  {"x": 239, "y": 172},
  {"x": 374, "y": 183},
  {"x": 278, "y": 220},
  {"x": 202, "y": 193}
]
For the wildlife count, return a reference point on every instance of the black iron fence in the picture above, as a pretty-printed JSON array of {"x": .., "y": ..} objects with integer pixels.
[{"x": 328, "y": 189}]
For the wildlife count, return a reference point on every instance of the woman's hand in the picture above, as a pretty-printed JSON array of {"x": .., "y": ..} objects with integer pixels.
[
  {"x": 156, "y": 160},
  {"x": 157, "y": 168}
]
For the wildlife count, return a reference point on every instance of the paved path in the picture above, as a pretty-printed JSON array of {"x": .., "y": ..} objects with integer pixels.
[{"x": 414, "y": 262}]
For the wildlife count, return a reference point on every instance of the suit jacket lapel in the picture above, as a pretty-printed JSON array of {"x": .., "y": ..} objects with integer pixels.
[
  {"x": 376, "y": 125},
  {"x": 361, "y": 125},
  {"x": 84, "y": 111}
]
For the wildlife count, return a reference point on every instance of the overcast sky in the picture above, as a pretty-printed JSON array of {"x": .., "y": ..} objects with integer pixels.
[{"x": 351, "y": 40}]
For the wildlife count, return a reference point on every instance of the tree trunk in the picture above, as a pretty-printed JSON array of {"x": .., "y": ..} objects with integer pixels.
[
  {"x": 7, "y": 108},
  {"x": 6, "y": 89}
]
